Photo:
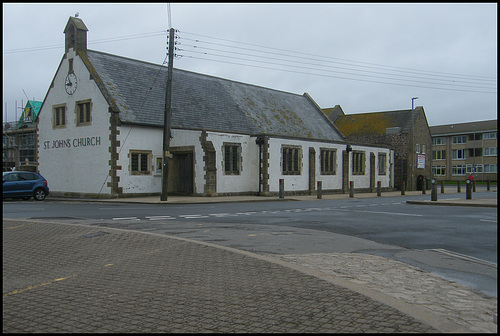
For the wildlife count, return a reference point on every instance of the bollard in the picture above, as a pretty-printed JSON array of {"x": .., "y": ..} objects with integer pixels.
[
  {"x": 351, "y": 189},
  {"x": 403, "y": 188},
  {"x": 458, "y": 186},
  {"x": 282, "y": 188},
  {"x": 468, "y": 190},
  {"x": 423, "y": 186},
  {"x": 379, "y": 190},
  {"x": 474, "y": 186},
  {"x": 434, "y": 192},
  {"x": 488, "y": 185},
  {"x": 442, "y": 187},
  {"x": 319, "y": 190}
]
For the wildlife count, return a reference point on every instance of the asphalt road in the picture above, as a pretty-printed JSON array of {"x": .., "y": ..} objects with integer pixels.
[{"x": 458, "y": 243}]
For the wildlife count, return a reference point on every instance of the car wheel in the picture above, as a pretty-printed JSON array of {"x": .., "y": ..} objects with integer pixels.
[{"x": 40, "y": 194}]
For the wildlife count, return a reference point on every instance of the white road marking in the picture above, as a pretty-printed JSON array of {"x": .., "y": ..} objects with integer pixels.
[
  {"x": 125, "y": 218},
  {"x": 154, "y": 218},
  {"x": 224, "y": 214},
  {"x": 390, "y": 213},
  {"x": 463, "y": 256},
  {"x": 488, "y": 220},
  {"x": 193, "y": 216}
]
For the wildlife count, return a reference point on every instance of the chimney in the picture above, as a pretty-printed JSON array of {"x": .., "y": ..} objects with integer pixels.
[{"x": 76, "y": 35}]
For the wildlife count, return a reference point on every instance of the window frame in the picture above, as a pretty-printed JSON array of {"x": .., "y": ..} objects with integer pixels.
[
  {"x": 328, "y": 161},
  {"x": 488, "y": 150},
  {"x": 438, "y": 141},
  {"x": 358, "y": 163},
  {"x": 489, "y": 166},
  {"x": 437, "y": 157},
  {"x": 59, "y": 111},
  {"x": 459, "y": 139},
  {"x": 490, "y": 136},
  {"x": 457, "y": 157},
  {"x": 232, "y": 159},
  {"x": 143, "y": 157},
  {"x": 458, "y": 170},
  {"x": 291, "y": 160},
  {"x": 87, "y": 113},
  {"x": 382, "y": 163},
  {"x": 438, "y": 168}
]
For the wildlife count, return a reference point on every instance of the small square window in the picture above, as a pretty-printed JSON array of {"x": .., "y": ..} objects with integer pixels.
[
  {"x": 83, "y": 113},
  {"x": 382, "y": 163},
  {"x": 140, "y": 162},
  {"x": 59, "y": 116},
  {"x": 232, "y": 159},
  {"x": 291, "y": 160},
  {"x": 328, "y": 161},
  {"x": 358, "y": 163}
]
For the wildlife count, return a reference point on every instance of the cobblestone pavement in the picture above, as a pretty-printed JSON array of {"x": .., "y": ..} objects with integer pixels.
[
  {"x": 75, "y": 278},
  {"x": 454, "y": 304}
]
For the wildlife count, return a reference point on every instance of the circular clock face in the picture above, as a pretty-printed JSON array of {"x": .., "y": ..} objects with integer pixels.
[{"x": 70, "y": 83}]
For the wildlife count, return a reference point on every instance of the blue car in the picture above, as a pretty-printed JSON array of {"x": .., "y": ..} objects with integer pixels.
[{"x": 21, "y": 184}]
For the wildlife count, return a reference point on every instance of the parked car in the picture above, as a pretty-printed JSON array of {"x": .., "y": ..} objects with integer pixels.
[{"x": 25, "y": 185}]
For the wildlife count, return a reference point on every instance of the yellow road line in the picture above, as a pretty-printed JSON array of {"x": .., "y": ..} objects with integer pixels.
[{"x": 35, "y": 286}]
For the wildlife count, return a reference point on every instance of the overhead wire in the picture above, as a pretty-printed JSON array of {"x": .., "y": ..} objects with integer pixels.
[
  {"x": 105, "y": 40},
  {"x": 262, "y": 54},
  {"x": 339, "y": 77},
  {"x": 326, "y": 67},
  {"x": 452, "y": 81},
  {"x": 356, "y": 63}
]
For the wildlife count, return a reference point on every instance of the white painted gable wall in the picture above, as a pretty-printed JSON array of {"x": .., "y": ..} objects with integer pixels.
[{"x": 74, "y": 167}]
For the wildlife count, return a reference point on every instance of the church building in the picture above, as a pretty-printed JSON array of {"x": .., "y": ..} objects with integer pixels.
[{"x": 100, "y": 134}]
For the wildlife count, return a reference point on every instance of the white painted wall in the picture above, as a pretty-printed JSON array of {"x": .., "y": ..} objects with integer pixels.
[
  {"x": 68, "y": 166},
  {"x": 363, "y": 181},
  {"x": 248, "y": 180},
  {"x": 301, "y": 182},
  {"x": 329, "y": 182}
]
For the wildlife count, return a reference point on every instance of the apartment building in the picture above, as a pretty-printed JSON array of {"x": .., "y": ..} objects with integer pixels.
[{"x": 459, "y": 150}]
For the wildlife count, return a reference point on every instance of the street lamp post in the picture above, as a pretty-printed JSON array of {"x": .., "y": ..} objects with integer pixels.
[
  {"x": 413, "y": 154},
  {"x": 474, "y": 153}
]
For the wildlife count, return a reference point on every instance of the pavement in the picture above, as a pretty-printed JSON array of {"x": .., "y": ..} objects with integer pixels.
[
  {"x": 61, "y": 277},
  {"x": 460, "y": 199}
]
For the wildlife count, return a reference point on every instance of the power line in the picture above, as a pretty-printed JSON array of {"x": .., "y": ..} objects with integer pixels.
[
  {"x": 355, "y": 68},
  {"x": 325, "y": 67},
  {"x": 356, "y": 63},
  {"x": 451, "y": 84},
  {"x": 338, "y": 77},
  {"x": 397, "y": 72},
  {"x": 106, "y": 40}
]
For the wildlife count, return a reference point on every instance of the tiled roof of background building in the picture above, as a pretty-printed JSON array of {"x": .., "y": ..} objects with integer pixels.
[
  {"x": 375, "y": 123},
  {"x": 469, "y": 127}
]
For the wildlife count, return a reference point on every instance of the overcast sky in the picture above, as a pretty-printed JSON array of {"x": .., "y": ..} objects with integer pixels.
[{"x": 363, "y": 57}]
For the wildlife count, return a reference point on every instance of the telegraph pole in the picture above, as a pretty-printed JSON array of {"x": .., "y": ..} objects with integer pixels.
[{"x": 167, "y": 117}]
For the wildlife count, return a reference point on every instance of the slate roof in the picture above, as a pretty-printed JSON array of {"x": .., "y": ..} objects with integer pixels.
[
  {"x": 376, "y": 123},
  {"x": 206, "y": 102},
  {"x": 469, "y": 127}
]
